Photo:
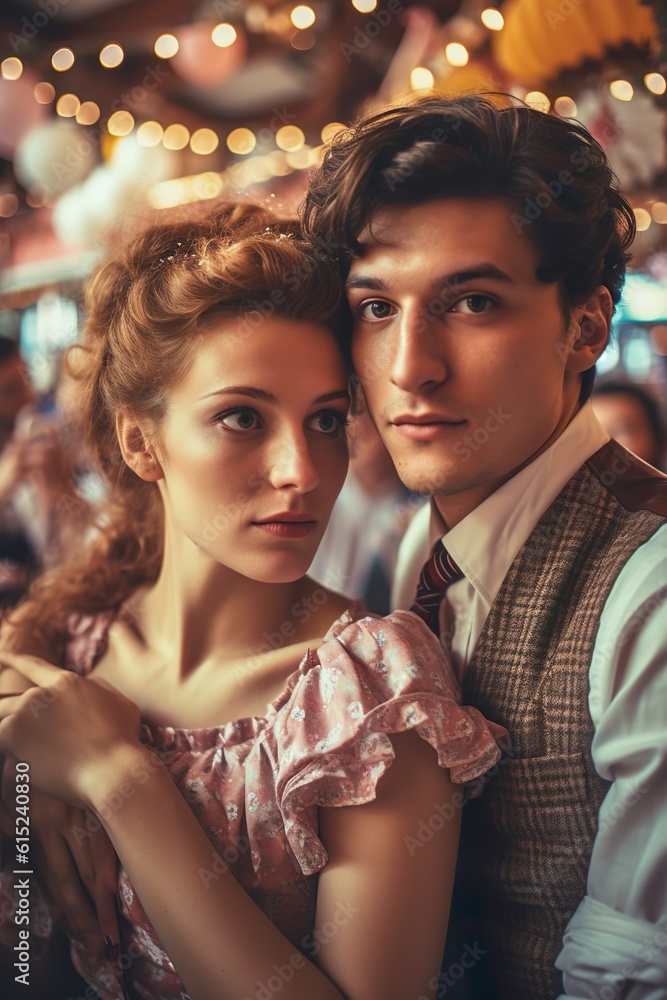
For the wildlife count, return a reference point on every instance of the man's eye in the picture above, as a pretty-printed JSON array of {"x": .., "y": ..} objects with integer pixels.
[
  {"x": 239, "y": 420},
  {"x": 375, "y": 309},
  {"x": 474, "y": 304}
]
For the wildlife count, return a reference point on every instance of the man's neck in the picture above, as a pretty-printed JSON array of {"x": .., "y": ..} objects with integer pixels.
[{"x": 456, "y": 506}]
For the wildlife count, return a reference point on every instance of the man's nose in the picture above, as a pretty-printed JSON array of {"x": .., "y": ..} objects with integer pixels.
[{"x": 417, "y": 361}]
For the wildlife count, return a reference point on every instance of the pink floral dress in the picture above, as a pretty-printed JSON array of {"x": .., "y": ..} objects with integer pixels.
[{"x": 255, "y": 784}]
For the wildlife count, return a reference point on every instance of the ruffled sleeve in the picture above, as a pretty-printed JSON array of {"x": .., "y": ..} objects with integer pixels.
[{"x": 369, "y": 679}]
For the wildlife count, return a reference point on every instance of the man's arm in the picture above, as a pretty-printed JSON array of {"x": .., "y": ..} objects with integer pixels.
[{"x": 617, "y": 938}]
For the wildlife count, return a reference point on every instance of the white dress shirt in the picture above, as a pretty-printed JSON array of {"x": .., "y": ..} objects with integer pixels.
[{"x": 615, "y": 945}]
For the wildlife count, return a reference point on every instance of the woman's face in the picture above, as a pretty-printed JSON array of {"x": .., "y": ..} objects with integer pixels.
[{"x": 253, "y": 445}]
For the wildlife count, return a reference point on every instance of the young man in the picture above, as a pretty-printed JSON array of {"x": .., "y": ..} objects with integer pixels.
[{"x": 485, "y": 248}]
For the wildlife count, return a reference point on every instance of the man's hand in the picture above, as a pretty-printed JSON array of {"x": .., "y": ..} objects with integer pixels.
[{"x": 74, "y": 860}]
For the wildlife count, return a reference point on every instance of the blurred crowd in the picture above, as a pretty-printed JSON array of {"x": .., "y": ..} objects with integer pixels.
[{"x": 42, "y": 509}]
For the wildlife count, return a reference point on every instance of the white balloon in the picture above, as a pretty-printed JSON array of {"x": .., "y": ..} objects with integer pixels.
[
  {"x": 72, "y": 224},
  {"x": 106, "y": 196},
  {"x": 145, "y": 165},
  {"x": 54, "y": 156},
  {"x": 85, "y": 213}
]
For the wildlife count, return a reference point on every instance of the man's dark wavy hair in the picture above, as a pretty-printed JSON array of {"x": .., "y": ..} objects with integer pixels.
[{"x": 551, "y": 172}]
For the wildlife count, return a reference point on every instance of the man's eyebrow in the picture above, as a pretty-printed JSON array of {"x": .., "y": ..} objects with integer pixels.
[
  {"x": 268, "y": 397},
  {"x": 447, "y": 280}
]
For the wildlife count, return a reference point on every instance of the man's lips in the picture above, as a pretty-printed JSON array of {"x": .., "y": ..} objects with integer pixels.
[
  {"x": 425, "y": 426},
  {"x": 426, "y": 418}
]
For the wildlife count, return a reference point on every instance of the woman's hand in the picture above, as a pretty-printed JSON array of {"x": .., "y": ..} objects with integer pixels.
[
  {"x": 74, "y": 859},
  {"x": 70, "y": 729}
]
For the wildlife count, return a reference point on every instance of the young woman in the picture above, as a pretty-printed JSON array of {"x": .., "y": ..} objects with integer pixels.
[{"x": 236, "y": 700}]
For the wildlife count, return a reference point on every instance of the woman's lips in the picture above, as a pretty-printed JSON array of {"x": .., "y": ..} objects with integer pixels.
[{"x": 286, "y": 529}]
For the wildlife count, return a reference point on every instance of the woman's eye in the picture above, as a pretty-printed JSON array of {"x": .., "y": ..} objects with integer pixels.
[
  {"x": 375, "y": 309},
  {"x": 328, "y": 422},
  {"x": 475, "y": 304},
  {"x": 240, "y": 420}
]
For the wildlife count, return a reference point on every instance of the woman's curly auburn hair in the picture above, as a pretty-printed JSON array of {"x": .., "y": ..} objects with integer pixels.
[{"x": 146, "y": 307}]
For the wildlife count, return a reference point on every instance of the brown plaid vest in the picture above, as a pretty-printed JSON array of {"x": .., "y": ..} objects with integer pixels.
[{"x": 526, "y": 842}]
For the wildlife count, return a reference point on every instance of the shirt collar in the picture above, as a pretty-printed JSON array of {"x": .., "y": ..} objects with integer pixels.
[{"x": 486, "y": 542}]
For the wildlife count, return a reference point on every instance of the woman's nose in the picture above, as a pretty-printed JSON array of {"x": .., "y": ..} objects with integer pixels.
[{"x": 292, "y": 465}]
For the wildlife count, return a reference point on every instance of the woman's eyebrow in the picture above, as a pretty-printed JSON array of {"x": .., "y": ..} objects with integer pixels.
[
  {"x": 242, "y": 390},
  {"x": 268, "y": 397}
]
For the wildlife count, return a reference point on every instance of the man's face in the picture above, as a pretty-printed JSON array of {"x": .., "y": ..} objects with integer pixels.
[{"x": 461, "y": 351}]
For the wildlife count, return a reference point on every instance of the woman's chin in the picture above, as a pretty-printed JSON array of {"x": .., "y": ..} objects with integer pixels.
[{"x": 274, "y": 569}]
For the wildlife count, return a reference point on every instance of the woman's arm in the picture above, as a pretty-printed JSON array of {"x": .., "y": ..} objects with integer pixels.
[
  {"x": 399, "y": 883},
  {"x": 382, "y": 905}
]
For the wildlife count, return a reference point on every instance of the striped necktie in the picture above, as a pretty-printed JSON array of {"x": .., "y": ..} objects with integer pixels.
[{"x": 438, "y": 573}]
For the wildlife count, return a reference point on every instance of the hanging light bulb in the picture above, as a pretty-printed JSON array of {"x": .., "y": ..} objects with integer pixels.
[
  {"x": 224, "y": 35},
  {"x": 176, "y": 137},
  {"x": 421, "y": 78},
  {"x": 565, "y": 107},
  {"x": 11, "y": 68},
  {"x": 331, "y": 130},
  {"x": 44, "y": 92},
  {"x": 290, "y": 138},
  {"x": 492, "y": 19},
  {"x": 621, "y": 90},
  {"x": 204, "y": 141},
  {"x": 62, "y": 59},
  {"x": 536, "y": 99},
  {"x": 68, "y": 105},
  {"x": 150, "y": 134},
  {"x": 166, "y": 46},
  {"x": 241, "y": 141},
  {"x": 111, "y": 56},
  {"x": 642, "y": 218},
  {"x": 120, "y": 123},
  {"x": 655, "y": 82},
  {"x": 302, "y": 16},
  {"x": 456, "y": 54},
  {"x": 88, "y": 113}
]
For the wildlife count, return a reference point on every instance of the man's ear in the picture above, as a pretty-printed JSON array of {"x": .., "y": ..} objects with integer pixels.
[
  {"x": 136, "y": 448},
  {"x": 588, "y": 333}
]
